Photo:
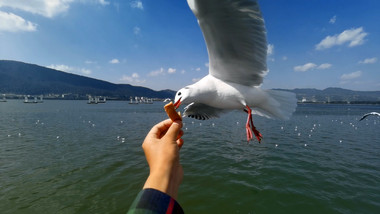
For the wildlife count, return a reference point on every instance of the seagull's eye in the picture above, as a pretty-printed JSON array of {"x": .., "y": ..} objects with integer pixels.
[{"x": 179, "y": 93}]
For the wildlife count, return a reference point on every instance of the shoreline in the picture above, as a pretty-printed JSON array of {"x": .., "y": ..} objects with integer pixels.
[{"x": 161, "y": 100}]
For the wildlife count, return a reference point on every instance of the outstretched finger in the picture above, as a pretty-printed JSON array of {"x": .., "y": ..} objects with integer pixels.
[
  {"x": 174, "y": 131},
  {"x": 160, "y": 128}
]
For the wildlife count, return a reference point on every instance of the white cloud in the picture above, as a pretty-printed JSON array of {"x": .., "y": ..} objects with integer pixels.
[
  {"x": 59, "y": 67},
  {"x": 368, "y": 61},
  {"x": 47, "y": 8},
  {"x": 134, "y": 78},
  {"x": 270, "y": 49},
  {"x": 207, "y": 64},
  {"x": 136, "y": 30},
  {"x": 311, "y": 66},
  {"x": 353, "y": 37},
  {"x": 104, "y": 2},
  {"x": 162, "y": 71},
  {"x": 284, "y": 58},
  {"x": 90, "y": 62},
  {"x": 85, "y": 71},
  {"x": 137, "y": 4},
  {"x": 171, "y": 70},
  {"x": 306, "y": 67},
  {"x": 196, "y": 79},
  {"x": 333, "y": 20},
  {"x": 158, "y": 72},
  {"x": 198, "y": 69},
  {"x": 351, "y": 76},
  {"x": 13, "y": 23},
  {"x": 69, "y": 69},
  {"x": 324, "y": 66},
  {"x": 114, "y": 61}
]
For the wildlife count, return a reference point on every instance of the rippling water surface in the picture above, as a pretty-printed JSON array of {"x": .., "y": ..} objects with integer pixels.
[{"x": 70, "y": 157}]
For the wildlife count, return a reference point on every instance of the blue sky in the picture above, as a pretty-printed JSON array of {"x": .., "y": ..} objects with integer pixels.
[{"x": 158, "y": 43}]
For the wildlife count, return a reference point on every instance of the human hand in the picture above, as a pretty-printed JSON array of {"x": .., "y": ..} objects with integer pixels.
[{"x": 161, "y": 147}]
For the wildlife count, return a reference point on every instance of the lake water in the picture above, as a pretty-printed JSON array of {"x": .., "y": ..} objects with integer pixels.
[{"x": 70, "y": 157}]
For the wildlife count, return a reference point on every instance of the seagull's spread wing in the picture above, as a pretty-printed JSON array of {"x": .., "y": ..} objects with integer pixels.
[
  {"x": 236, "y": 39},
  {"x": 202, "y": 112},
  {"x": 364, "y": 116}
]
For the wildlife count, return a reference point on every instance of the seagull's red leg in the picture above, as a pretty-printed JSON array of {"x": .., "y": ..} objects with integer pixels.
[
  {"x": 258, "y": 135},
  {"x": 249, "y": 125}
]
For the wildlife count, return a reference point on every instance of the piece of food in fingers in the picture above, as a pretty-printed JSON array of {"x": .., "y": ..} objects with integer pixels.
[{"x": 170, "y": 111}]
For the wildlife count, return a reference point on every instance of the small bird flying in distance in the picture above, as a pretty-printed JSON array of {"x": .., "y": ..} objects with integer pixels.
[
  {"x": 368, "y": 114},
  {"x": 235, "y": 36}
]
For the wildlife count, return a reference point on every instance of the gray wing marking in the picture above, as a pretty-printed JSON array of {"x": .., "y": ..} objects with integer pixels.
[
  {"x": 201, "y": 111},
  {"x": 235, "y": 36}
]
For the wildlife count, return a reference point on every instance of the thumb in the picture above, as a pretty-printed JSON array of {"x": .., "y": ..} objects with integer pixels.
[{"x": 173, "y": 131}]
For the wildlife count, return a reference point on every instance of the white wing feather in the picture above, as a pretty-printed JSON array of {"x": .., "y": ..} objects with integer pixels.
[{"x": 235, "y": 37}]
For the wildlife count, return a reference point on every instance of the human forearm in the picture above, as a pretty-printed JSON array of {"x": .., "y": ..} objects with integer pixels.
[{"x": 167, "y": 182}]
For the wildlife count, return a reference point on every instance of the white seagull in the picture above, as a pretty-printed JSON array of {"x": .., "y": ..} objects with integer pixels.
[
  {"x": 236, "y": 42},
  {"x": 368, "y": 114}
]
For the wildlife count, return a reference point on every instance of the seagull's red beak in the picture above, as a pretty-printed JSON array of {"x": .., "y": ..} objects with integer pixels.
[{"x": 177, "y": 104}]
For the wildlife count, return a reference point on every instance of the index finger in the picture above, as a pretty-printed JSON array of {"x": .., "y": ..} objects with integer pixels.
[
  {"x": 161, "y": 127},
  {"x": 174, "y": 130}
]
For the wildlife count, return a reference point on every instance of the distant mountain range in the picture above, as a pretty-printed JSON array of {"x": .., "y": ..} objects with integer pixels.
[{"x": 29, "y": 79}]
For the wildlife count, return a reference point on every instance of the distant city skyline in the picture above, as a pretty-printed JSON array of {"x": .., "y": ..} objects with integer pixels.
[{"x": 159, "y": 45}]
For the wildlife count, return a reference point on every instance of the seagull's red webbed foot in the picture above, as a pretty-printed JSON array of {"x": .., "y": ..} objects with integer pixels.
[
  {"x": 250, "y": 127},
  {"x": 258, "y": 135}
]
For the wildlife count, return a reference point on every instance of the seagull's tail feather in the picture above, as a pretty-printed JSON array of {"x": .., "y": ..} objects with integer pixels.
[{"x": 279, "y": 104}]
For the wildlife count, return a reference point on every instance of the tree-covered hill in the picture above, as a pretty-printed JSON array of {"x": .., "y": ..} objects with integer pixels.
[{"x": 23, "y": 78}]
